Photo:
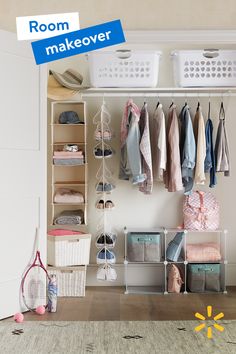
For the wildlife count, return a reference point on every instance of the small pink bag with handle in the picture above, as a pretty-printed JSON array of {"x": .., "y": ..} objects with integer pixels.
[
  {"x": 201, "y": 211},
  {"x": 174, "y": 279}
]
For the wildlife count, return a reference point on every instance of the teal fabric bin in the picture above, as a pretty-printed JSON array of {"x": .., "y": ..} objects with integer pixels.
[
  {"x": 143, "y": 247},
  {"x": 203, "y": 277}
]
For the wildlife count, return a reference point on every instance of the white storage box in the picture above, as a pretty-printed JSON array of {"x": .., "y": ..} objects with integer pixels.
[
  {"x": 204, "y": 68},
  {"x": 124, "y": 68},
  {"x": 70, "y": 281},
  {"x": 68, "y": 250}
]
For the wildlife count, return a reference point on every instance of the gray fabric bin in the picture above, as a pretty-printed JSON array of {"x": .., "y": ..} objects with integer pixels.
[
  {"x": 143, "y": 247},
  {"x": 204, "y": 277}
]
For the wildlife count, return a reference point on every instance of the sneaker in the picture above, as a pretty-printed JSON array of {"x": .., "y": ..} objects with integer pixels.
[
  {"x": 105, "y": 255},
  {"x": 110, "y": 240},
  {"x": 109, "y": 204},
  {"x": 100, "y": 204},
  {"x": 106, "y": 272},
  {"x": 107, "y": 187},
  {"x": 107, "y": 134},
  {"x": 107, "y": 153},
  {"x": 98, "y": 134},
  {"x": 98, "y": 153}
]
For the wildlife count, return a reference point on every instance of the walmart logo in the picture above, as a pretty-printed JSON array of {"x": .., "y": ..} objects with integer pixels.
[{"x": 209, "y": 328}]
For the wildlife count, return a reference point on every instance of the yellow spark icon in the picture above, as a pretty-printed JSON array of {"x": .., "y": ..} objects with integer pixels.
[{"x": 203, "y": 325}]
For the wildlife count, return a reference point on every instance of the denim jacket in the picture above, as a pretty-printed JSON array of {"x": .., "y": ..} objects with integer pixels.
[
  {"x": 187, "y": 149},
  {"x": 130, "y": 159}
]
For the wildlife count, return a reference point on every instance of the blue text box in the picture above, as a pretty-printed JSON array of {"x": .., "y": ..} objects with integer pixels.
[{"x": 77, "y": 42}]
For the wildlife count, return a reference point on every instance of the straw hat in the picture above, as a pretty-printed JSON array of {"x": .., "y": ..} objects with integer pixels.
[{"x": 63, "y": 86}]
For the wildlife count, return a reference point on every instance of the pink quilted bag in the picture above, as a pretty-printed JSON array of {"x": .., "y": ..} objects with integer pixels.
[{"x": 201, "y": 211}]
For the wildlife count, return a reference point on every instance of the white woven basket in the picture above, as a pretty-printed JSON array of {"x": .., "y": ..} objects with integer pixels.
[
  {"x": 204, "y": 68},
  {"x": 70, "y": 280},
  {"x": 124, "y": 68},
  {"x": 68, "y": 250}
]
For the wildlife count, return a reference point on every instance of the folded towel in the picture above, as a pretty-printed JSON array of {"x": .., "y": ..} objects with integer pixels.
[
  {"x": 70, "y": 217},
  {"x": 62, "y": 232},
  {"x": 68, "y": 161},
  {"x": 68, "y": 154},
  {"x": 203, "y": 252},
  {"x": 65, "y": 195}
]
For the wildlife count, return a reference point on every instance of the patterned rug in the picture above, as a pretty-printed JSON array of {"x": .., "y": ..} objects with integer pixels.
[{"x": 145, "y": 337}]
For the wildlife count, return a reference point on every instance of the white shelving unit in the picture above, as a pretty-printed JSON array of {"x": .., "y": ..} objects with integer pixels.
[{"x": 166, "y": 235}]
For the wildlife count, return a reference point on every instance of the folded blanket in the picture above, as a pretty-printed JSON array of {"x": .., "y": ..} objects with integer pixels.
[
  {"x": 68, "y": 154},
  {"x": 65, "y": 195},
  {"x": 62, "y": 232},
  {"x": 68, "y": 161},
  {"x": 70, "y": 217},
  {"x": 203, "y": 252}
]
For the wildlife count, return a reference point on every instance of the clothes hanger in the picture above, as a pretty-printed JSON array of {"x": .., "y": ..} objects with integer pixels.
[
  {"x": 198, "y": 105},
  {"x": 102, "y": 115},
  {"x": 222, "y": 111},
  {"x": 173, "y": 102},
  {"x": 158, "y": 102}
]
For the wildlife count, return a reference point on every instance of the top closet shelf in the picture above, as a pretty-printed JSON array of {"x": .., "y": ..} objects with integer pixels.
[
  {"x": 68, "y": 125},
  {"x": 161, "y": 91}
]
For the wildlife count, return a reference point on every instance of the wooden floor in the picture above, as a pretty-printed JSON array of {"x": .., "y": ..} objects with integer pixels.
[{"x": 111, "y": 304}]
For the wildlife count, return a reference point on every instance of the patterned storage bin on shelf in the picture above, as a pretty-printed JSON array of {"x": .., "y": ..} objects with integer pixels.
[
  {"x": 143, "y": 247},
  {"x": 203, "y": 278},
  {"x": 70, "y": 280},
  {"x": 69, "y": 250}
]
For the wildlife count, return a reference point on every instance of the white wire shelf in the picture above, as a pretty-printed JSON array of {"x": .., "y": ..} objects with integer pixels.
[{"x": 159, "y": 92}]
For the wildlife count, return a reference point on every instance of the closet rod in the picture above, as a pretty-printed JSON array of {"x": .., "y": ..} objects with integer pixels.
[{"x": 161, "y": 94}]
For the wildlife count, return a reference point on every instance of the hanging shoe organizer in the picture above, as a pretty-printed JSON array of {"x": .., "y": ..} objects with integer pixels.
[{"x": 105, "y": 238}]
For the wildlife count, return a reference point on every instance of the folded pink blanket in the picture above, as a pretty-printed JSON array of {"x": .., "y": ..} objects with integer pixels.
[
  {"x": 203, "y": 252},
  {"x": 61, "y": 232},
  {"x": 65, "y": 195},
  {"x": 68, "y": 157},
  {"x": 68, "y": 153}
]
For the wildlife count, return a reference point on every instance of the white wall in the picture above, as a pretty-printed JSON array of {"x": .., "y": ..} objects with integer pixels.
[{"x": 134, "y": 14}]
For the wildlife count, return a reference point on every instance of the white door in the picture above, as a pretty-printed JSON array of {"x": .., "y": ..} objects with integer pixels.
[{"x": 23, "y": 179}]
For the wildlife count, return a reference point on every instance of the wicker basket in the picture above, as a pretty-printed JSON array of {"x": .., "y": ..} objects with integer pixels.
[
  {"x": 69, "y": 250},
  {"x": 70, "y": 280}
]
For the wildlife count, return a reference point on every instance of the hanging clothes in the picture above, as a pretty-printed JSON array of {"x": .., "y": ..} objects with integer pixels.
[
  {"x": 221, "y": 146},
  {"x": 200, "y": 138},
  {"x": 159, "y": 152},
  {"x": 172, "y": 175},
  {"x": 210, "y": 165},
  {"x": 130, "y": 160},
  {"x": 145, "y": 149},
  {"x": 187, "y": 149}
]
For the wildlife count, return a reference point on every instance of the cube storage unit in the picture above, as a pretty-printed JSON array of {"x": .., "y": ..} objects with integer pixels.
[
  {"x": 197, "y": 276},
  {"x": 70, "y": 280},
  {"x": 72, "y": 250},
  {"x": 69, "y": 176},
  {"x": 204, "y": 68},
  {"x": 124, "y": 68}
]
